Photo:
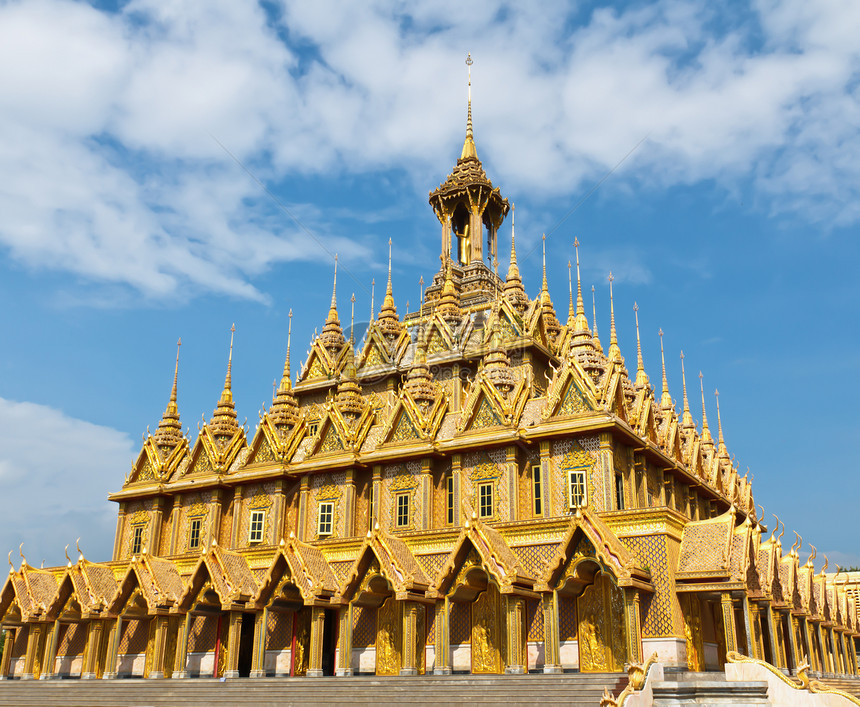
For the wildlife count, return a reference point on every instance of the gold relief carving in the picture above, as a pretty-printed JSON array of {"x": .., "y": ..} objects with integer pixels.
[
  {"x": 146, "y": 471},
  {"x": 482, "y": 472},
  {"x": 472, "y": 560},
  {"x": 486, "y": 646},
  {"x": 332, "y": 441},
  {"x": 198, "y": 509},
  {"x": 601, "y": 626},
  {"x": 691, "y": 612},
  {"x": 139, "y": 518},
  {"x": 404, "y": 430},
  {"x": 574, "y": 401},
  {"x": 388, "y": 638},
  {"x": 328, "y": 492},
  {"x": 374, "y": 358},
  {"x": 264, "y": 452},
  {"x": 260, "y": 501},
  {"x": 437, "y": 343},
  {"x": 150, "y": 649},
  {"x": 303, "y": 639},
  {"x": 486, "y": 416},
  {"x": 317, "y": 370},
  {"x": 421, "y": 638},
  {"x": 372, "y": 571}
]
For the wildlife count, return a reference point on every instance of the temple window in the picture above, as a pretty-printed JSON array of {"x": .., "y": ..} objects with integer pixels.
[
  {"x": 137, "y": 540},
  {"x": 619, "y": 491},
  {"x": 313, "y": 428},
  {"x": 576, "y": 488},
  {"x": 255, "y": 532},
  {"x": 194, "y": 533},
  {"x": 485, "y": 500},
  {"x": 402, "y": 510},
  {"x": 536, "y": 490},
  {"x": 450, "y": 500},
  {"x": 326, "y": 514}
]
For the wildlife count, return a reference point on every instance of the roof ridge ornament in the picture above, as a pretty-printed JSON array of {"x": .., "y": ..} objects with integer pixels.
[
  {"x": 687, "y": 418},
  {"x": 469, "y": 149},
  {"x": 596, "y": 337},
  {"x": 224, "y": 418},
  {"x": 641, "y": 376},
  {"x": 706, "y": 432},
  {"x": 614, "y": 350},
  {"x": 665, "y": 399},
  {"x": 169, "y": 431}
]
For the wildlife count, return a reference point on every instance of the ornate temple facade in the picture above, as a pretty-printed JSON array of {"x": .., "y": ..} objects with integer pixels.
[{"x": 479, "y": 486}]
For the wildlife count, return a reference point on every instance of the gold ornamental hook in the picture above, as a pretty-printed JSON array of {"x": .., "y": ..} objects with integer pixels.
[{"x": 68, "y": 559}]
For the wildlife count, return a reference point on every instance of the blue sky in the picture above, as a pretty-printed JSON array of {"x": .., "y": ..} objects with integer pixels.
[{"x": 172, "y": 168}]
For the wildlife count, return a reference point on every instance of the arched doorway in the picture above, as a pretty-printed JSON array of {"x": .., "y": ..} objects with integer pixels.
[{"x": 477, "y": 591}]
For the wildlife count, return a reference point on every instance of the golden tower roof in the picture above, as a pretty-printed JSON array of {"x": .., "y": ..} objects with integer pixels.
[
  {"x": 596, "y": 337},
  {"x": 686, "y": 417},
  {"x": 169, "y": 432},
  {"x": 641, "y": 376},
  {"x": 614, "y": 351},
  {"x": 513, "y": 290},
  {"x": 223, "y": 420},
  {"x": 553, "y": 326},
  {"x": 349, "y": 399},
  {"x": 449, "y": 302},
  {"x": 388, "y": 322},
  {"x": 707, "y": 440},
  {"x": 497, "y": 365},
  {"x": 665, "y": 398},
  {"x": 332, "y": 333},
  {"x": 419, "y": 381},
  {"x": 285, "y": 407}
]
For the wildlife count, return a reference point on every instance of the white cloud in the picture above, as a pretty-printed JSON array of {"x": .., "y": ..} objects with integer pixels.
[
  {"x": 48, "y": 464},
  {"x": 107, "y": 120}
]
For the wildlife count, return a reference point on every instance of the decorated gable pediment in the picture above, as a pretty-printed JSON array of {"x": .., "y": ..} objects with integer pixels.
[
  {"x": 276, "y": 443},
  {"x": 487, "y": 407},
  {"x": 220, "y": 579},
  {"x": 214, "y": 455},
  {"x": 157, "y": 463},
  {"x": 86, "y": 588},
  {"x": 379, "y": 350},
  {"x": 706, "y": 547},
  {"x": 570, "y": 392},
  {"x": 323, "y": 365},
  {"x": 28, "y": 592},
  {"x": 338, "y": 434},
  {"x": 296, "y": 568},
  {"x": 149, "y": 584},
  {"x": 440, "y": 337},
  {"x": 613, "y": 395}
]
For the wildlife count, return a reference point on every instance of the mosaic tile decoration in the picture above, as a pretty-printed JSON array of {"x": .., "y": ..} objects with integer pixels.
[
  {"x": 566, "y": 619},
  {"x": 201, "y": 635},
  {"x": 431, "y": 564},
  {"x": 657, "y": 609},
  {"x": 74, "y": 640},
  {"x": 461, "y": 624},
  {"x": 363, "y": 627},
  {"x": 534, "y": 620},
  {"x": 534, "y": 558},
  {"x": 135, "y": 635},
  {"x": 340, "y": 569}
]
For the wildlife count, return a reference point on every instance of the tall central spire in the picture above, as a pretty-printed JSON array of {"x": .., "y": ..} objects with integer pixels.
[
  {"x": 641, "y": 376},
  {"x": 614, "y": 352},
  {"x": 169, "y": 431},
  {"x": 332, "y": 333},
  {"x": 665, "y": 398},
  {"x": 706, "y": 433},
  {"x": 514, "y": 291},
  {"x": 285, "y": 407},
  {"x": 469, "y": 144},
  {"x": 687, "y": 417},
  {"x": 224, "y": 418}
]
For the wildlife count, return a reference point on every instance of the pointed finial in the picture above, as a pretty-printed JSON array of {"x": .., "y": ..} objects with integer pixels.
[
  {"x": 571, "y": 313},
  {"x": 289, "y": 344},
  {"x": 665, "y": 398},
  {"x": 420, "y": 292},
  {"x": 469, "y": 63},
  {"x": 614, "y": 351},
  {"x": 228, "y": 380},
  {"x": 388, "y": 290},
  {"x": 641, "y": 376},
  {"x": 543, "y": 245},
  {"x": 580, "y": 306},
  {"x": 78, "y": 548},
  {"x": 372, "y": 291},
  {"x": 594, "y": 318},
  {"x": 68, "y": 559},
  {"x": 334, "y": 285},
  {"x": 687, "y": 418},
  {"x": 722, "y": 445},
  {"x": 175, "y": 374},
  {"x": 469, "y": 143},
  {"x": 706, "y": 432},
  {"x": 352, "y": 321},
  {"x": 11, "y": 566}
]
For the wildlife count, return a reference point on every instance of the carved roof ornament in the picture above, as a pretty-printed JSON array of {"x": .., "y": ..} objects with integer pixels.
[
  {"x": 641, "y": 376},
  {"x": 513, "y": 289},
  {"x": 449, "y": 302},
  {"x": 349, "y": 399},
  {"x": 226, "y": 573},
  {"x": 331, "y": 336},
  {"x": 389, "y": 323},
  {"x": 284, "y": 411},
  {"x": 722, "y": 451},
  {"x": 223, "y": 422},
  {"x": 665, "y": 399},
  {"x": 302, "y": 566},
  {"x": 169, "y": 432},
  {"x": 552, "y": 326},
  {"x": 687, "y": 417},
  {"x": 595, "y": 337},
  {"x": 497, "y": 365},
  {"x": 419, "y": 381}
]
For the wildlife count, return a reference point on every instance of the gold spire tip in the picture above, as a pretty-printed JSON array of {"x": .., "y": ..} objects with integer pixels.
[{"x": 543, "y": 245}]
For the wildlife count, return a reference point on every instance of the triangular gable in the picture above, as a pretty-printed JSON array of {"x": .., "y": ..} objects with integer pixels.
[
  {"x": 321, "y": 365},
  {"x": 90, "y": 585},
  {"x": 587, "y": 535},
  {"x": 378, "y": 351},
  {"x": 706, "y": 547},
  {"x": 35, "y": 590},
  {"x": 329, "y": 439},
  {"x": 481, "y": 545},
  {"x": 14, "y": 604},
  {"x": 487, "y": 407},
  {"x": 389, "y": 557},
  {"x": 439, "y": 336},
  {"x": 571, "y": 391},
  {"x": 408, "y": 421},
  {"x": 154, "y": 463},
  {"x": 227, "y": 573},
  {"x": 275, "y": 444},
  {"x": 149, "y": 584},
  {"x": 299, "y": 565},
  {"x": 613, "y": 395}
]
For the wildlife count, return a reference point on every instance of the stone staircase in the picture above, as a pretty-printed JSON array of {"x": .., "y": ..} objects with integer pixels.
[
  {"x": 685, "y": 688},
  {"x": 844, "y": 683},
  {"x": 573, "y": 689}
]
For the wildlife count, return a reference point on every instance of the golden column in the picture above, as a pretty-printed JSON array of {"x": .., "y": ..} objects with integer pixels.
[
  {"x": 258, "y": 657},
  {"x": 32, "y": 658},
  {"x": 344, "y": 642},
  {"x": 231, "y": 669},
  {"x": 315, "y": 654},
  {"x": 745, "y": 615},
  {"x": 551, "y": 647},
  {"x": 442, "y": 660},
  {"x": 515, "y": 661},
  {"x": 48, "y": 664},
  {"x": 775, "y": 647},
  {"x": 180, "y": 668},
  {"x": 159, "y": 646},
  {"x": 632, "y": 615},
  {"x": 375, "y": 495},
  {"x": 409, "y": 665},
  {"x": 425, "y": 485},
  {"x": 728, "y": 611},
  {"x": 349, "y": 504},
  {"x": 113, "y": 649},
  {"x": 812, "y": 658},
  {"x": 94, "y": 645},
  {"x": 304, "y": 492},
  {"x": 6, "y": 660},
  {"x": 237, "y": 517},
  {"x": 791, "y": 648}
]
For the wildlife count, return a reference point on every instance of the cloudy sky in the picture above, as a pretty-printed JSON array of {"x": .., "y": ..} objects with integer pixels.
[{"x": 173, "y": 167}]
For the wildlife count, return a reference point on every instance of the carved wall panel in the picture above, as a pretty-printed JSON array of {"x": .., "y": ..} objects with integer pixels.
[
  {"x": 388, "y": 637},
  {"x": 486, "y": 633}
]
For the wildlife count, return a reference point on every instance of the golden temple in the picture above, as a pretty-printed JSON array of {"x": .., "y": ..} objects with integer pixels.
[{"x": 478, "y": 487}]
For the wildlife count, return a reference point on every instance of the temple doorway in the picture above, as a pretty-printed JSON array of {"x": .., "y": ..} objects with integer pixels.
[{"x": 600, "y": 626}]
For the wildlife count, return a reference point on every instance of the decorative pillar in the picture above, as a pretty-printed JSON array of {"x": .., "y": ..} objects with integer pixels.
[
  {"x": 513, "y": 482},
  {"x": 180, "y": 667},
  {"x": 344, "y": 642},
  {"x": 551, "y": 648},
  {"x": 457, "y": 474},
  {"x": 34, "y": 640},
  {"x": 545, "y": 485},
  {"x": 456, "y": 388},
  {"x": 159, "y": 645},
  {"x": 812, "y": 659},
  {"x": 515, "y": 615},
  {"x": 157, "y": 521},
  {"x": 316, "y": 648},
  {"x": 728, "y": 611},
  {"x": 375, "y": 496},
  {"x": 409, "y": 614},
  {"x": 120, "y": 528},
  {"x": 174, "y": 524},
  {"x": 94, "y": 644},
  {"x": 278, "y": 515},
  {"x": 231, "y": 669},
  {"x": 6, "y": 659},
  {"x": 852, "y": 645},
  {"x": 767, "y": 621},
  {"x": 443, "y": 638},
  {"x": 791, "y": 649},
  {"x": 831, "y": 647},
  {"x": 50, "y": 660},
  {"x": 113, "y": 649},
  {"x": 632, "y": 618},
  {"x": 304, "y": 490},
  {"x": 745, "y": 614},
  {"x": 214, "y": 530},
  {"x": 607, "y": 473},
  {"x": 349, "y": 504},
  {"x": 425, "y": 487},
  {"x": 237, "y": 517}
]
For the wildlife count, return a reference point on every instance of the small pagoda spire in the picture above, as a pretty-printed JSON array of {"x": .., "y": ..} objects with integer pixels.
[
  {"x": 596, "y": 337},
  {"x": 332, "y": 333},
  {"x": 686, "y": 418},
  {"x": 352, "y": 322},
  {"x": 641, "y": 376},
  {"x": 469, "y": 144},
  {"x": 169, "y": 432},
  {"x": 544, "y": 286},
  {"x": 285, "y": 407},
  {"x": 223, "y": 420},
  {"x": 582, "y": 320},
  {"x": 372, "y": 291},
  {"x": 348, "y": 397},
  {"x": 389, "y": 323},
  {"x": 514, "y": 291},
  {"x": 722, "y": 444},
  {"x": 706, "y": 432},
  {"x": 571, "y": 312},
  {"x": 449, "y": 301},
  {"x": 665, "y": 398},
  {"x": 614, "y": 351}
]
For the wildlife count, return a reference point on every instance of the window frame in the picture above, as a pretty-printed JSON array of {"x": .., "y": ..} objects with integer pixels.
[
  {"x": 491, "y": 497},
  {"x": 402, "y": 510},
  {"x": 255, "y": 534},
  {"x": 619, "y": 491},
  {"x": 581, "y": 485},
  {"x": 449, "y": 501},
  {"x": 537, "y": 490},
  {"x": 325, "y": 510},
  {"x": 194, "y": 538},
  {"x": 137, "y": 539}
]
